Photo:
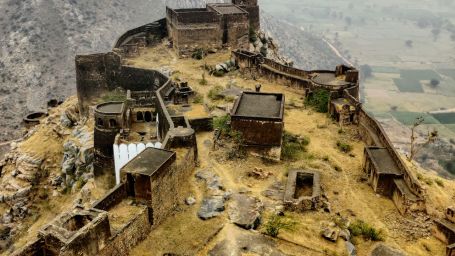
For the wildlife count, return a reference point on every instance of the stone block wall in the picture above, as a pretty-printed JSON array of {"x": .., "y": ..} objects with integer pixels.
[
  {"x": 134, "y": 232},
  {"x": 258, "y": 132},
  {"x": 167, "y": 187},
  {"x": 112, "y": 198},
  {"x": 237, "y": 30}
]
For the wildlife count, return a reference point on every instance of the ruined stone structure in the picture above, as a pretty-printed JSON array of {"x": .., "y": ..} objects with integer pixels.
[
  {"x": 444, "y": 230},
  {"x": 303, "y": 190},
  {"x": 390, "y": 177},
  {"x": 213, "y": 27}
]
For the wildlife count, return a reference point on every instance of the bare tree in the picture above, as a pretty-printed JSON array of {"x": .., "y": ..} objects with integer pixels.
[{"x": 415, "y": 148}]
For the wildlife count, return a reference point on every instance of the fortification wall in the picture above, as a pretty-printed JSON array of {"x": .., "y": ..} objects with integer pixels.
[
  {"x": 165, "y": 122},
  {"x": 153, "y": 32},
  {"x": 112, "y": 198},
  {"x": 167, "y": 186},
  {"x": 373, "y": 134}
]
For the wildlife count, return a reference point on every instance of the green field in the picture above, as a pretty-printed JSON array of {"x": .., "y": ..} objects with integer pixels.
[
  {"x": 409, "y": 118},
  {"x": 447, "y": 72},
  {"x": 383, "y": 69},
  {"x": 408, "y": 85},
  {"x": 419, "y": 74},
  {"x": 445, "y": 118}
]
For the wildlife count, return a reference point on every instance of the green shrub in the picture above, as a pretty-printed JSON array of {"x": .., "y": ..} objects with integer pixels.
[
  {"x": 293, "y": 146},
  {"x": 198, "y": 54},
  {"x": 319, "y": 100},
  {"x": 115, "y": 95},
  {"x": 218, "y": 73},
  {"x": 367, "y": 232},
  {"x": 252, "y": 35},
  {"x": 439, "y": 182},
  {"x": 203, "y": 81},
  {"x": 222, "y": 124},
  {"x": 198, "y": 99},
  {"x": 215, "y": 93},
  {"x": 344, "y": 147},
  {"x": 276, "y": 223}
]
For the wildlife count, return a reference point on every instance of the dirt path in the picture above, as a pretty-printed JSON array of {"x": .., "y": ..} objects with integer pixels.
[{"x": 335, "y": 50}]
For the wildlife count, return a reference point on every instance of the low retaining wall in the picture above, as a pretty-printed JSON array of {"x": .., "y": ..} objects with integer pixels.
[
  {"x": 112, "y": 198},
  {"x": 134, "y": 232}
]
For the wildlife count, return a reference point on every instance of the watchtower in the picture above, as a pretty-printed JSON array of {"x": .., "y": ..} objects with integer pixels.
[{"x": 251, "y": 6}]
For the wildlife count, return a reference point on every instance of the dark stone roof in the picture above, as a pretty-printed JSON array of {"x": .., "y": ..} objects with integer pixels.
[
  {"x": 384, "y": 161},
  {"x": 149, "y": 161},
  {"x": 401, "y": 185},
  {"x": 110, "y": 107},
  {"x": 227, "y": 9},
  {"x": 263, "y": 105}
]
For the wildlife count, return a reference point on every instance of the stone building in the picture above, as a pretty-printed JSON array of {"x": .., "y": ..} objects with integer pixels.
[
  {"x": 381, "y": 170},
  {"x": 259, "y": 118},
  {"x": 213, "y": 27}
]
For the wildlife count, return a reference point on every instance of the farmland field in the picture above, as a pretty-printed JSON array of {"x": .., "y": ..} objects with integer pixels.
[
  {"x": 409, "y": 118},
  {"x": 445, "y": 118},
  {"x": 408, "y": 85}
]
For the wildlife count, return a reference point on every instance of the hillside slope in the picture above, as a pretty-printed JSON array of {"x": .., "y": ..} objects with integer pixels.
[{"x": 41, "y": 37}]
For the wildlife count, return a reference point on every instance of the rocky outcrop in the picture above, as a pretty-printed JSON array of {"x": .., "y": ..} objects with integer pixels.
[
  {"x": 245, "y": 211},
  {"x": 213, "y": 203}
]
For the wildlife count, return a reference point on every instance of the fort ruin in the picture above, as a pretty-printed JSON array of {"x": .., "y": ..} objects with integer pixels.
[{"x": 150, "y": 145}]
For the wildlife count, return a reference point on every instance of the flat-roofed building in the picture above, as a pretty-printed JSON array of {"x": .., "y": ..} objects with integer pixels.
[{"x": 259, "y": 118}]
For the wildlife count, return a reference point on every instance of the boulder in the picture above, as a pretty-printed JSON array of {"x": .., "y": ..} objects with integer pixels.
[
  {"x": 330, "y": 232},
  {"x": 351, "y": 249},
  {"x": 211, "y": 207},
  {"x": 245, "y": 211},
  {"x": 384, "y": 250},
  {"x": 190, "y": 200},
  {"x": 65, "y": 121},
  {"x": 345, "y": 234},
  {"x": 70, "y": 152},
  {"x": 212, "y": 180}
]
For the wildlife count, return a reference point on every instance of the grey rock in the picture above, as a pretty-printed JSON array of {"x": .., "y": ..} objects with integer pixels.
[
  {"x": 345, "y": 234},
  {"x": 211, "y": 207},
  {"x": 211, "y": 179},
  {"x": 70, "y": 151},
  {"x": 330, "y": 233},
  {"x": 87, "y": 176},
  {"x": 245, "y": 211},
  {"x": 57, "y": 181},
  {"x": 7, "y": 217},
  {"x": 384, "y": 250},
  {"x": 275, "y": 191},
  {"x": 351, "y": 249},
  {"x": 65, "y": 121},
  {"x": 242, "y": 242},
  {"x": 190, "y": 200}
]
